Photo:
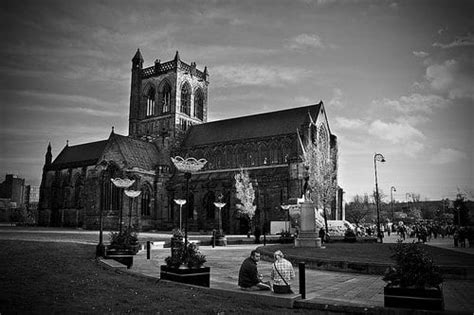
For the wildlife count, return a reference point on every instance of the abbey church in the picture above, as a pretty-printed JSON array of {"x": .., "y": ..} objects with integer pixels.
[{"x": 167, "y": 118}]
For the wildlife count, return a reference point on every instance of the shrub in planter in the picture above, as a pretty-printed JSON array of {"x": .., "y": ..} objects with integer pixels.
[
  {"x": 182, "y": 255},
  {"x": 415, "y": 281},
  {"x": 126, "y": 240},
  {"x": 185, "y": 265}
]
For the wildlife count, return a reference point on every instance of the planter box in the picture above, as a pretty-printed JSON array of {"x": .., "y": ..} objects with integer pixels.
[
  {"x": 196, "y": 276},
  {"x": 122, "y": 256},
  {"x": 414, "y": 298}
]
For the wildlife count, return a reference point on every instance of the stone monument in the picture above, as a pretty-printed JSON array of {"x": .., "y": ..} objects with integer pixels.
[{"x": 307, "y": 236}]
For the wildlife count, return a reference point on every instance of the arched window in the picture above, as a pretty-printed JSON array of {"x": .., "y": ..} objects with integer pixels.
[
  {"x": 150, "y": 103},
  {"x": 111, "y": 195},
  {"x": 199, "y": 104},
  {"x": 78, "y": 187},
  {"x": 145, "y": 201},
  {"x": 209, "y": 206},
  {"x": 166, "y": 101},
  {"x": 323, "y": 142},
  {"x": 186, "y": 99}
]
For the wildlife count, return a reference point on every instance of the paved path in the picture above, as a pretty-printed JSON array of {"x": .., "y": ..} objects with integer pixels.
[{"x": 321, "y": 286}]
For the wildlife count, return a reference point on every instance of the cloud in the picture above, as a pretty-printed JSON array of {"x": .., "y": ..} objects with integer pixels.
[
  {"x": 461, "y": 41},
  {"x": 256, "y": 75},
  {"x": 414, "y": 103},
  {"x": 305, "y": 41},
  {"x": 420, "y": 54},
  {"x": 347, "y": 123},
  {"x": 449, "y": 155},
  {"x": 337, "y": 98},
  {"x": 396, "y": 133},
  {"x": 453, "y": 77}
]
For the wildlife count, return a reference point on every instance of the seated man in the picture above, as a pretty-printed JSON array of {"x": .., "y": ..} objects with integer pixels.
[{"x": 249, "y": 278}]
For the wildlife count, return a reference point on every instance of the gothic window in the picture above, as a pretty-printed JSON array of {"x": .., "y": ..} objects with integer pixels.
[
  {"x": 150, "y": 103},
  {"x": 145, "y": 201},
  {"x": 186, "y": 99},
  {"x": 209, "y": 206},
  {"x": 78, "y": 187},
  {"x": 199, "y": 104},
  {"x": 111, "y": 195},
  {"x": 166, "y": 101},
  {"x": 323, "y": 141}
]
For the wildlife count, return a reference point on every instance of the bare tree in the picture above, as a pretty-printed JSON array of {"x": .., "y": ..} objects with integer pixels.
[
  {"x": 246, "y": 194},
  {"x": 322, "y": 176},
  {"x": 358, "y": 209}
]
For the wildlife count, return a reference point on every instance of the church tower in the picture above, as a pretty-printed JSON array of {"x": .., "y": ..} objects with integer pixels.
[{"x": 166, "y": 99}]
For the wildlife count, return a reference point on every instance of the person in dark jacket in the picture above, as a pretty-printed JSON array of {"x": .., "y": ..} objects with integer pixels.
[{"x": 249, "y": 278}]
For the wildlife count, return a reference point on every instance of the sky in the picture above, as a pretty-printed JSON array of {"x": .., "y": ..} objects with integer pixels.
[{"x": 396, "y": 78}]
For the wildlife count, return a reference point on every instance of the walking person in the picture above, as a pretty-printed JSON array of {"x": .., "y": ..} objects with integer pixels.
[
  {"x": 249, "y": 278},
  {"x": 282, "y": 273}
]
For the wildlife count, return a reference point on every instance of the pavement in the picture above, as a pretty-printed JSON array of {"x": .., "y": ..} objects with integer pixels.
[{"x": 327, "y": 291}]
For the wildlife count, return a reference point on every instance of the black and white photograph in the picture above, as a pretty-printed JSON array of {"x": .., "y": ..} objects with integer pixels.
[{"x": 244, "y": 157}]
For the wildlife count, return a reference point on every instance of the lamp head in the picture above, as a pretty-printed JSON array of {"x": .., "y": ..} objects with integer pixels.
[{"x": 379, "y": 157}]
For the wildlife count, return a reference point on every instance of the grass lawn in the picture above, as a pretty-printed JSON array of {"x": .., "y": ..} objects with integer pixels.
[
  {"x": 370, "y": 252},
  {"x": 53, "y": 277}
]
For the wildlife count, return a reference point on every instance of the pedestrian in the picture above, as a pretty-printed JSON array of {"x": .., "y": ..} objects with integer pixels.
[
  {"x": 322, "y": 235},
  {"x": 456, "y": 237},
  {"x": 282, "y": 273},
  {"x": 249, "y": 278}
]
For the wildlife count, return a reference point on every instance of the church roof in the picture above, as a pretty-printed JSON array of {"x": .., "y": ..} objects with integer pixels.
[
  {"x": 80, "y": 155},
  {"x": 248, "y": 127},
  {"x": 137, "y": 153}
]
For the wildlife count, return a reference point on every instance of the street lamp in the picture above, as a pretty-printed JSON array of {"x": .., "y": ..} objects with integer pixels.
[
  {"x": 132, "y": 194},
  {"x": 187, "y": 166},
  {"x": 392, "y": 189},
  {"x": 180, "y": 202},
  {"x": 122, "y": 183},
  {"x": 380, "y": 158},
  {"x": 286, "y": 207},
  {"x": 219, "y": 204}
]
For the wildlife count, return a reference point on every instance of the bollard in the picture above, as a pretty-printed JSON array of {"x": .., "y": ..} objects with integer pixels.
[
  {"x": 148, "y": 249},
  {"x": 213, "y": 238},
  {"x": 301, "y": 268}
]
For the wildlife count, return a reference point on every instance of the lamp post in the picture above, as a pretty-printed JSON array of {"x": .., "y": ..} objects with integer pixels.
[
  {"x": 132, "y": 194},
  {"x": 219, "y": 204},
  {"x": 380, "y": 158},
  {"x": 122, "y": 183},
  {"x": 180, "y": 202},
  {"x": 100, "y": 249},
  {"x": 286, "y": 207},
  {"x": 392, "y": 189},
  {"x": 188, "y": 166}
]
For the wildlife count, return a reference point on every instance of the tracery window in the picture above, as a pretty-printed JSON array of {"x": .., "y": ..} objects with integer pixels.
[
  {"x": 145, "y": 201},
  {"x": 111, "y": 195},
  {"x": 186, "y": 99},
  {"x": 150, "y": 103},
  {"x": 166, "y": 105},
  {"x": 199, "y": 104},
  {"x": 323, "y": 142}
]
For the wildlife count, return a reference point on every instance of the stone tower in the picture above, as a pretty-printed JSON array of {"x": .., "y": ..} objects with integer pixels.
[{"x": 165, "y": 100}]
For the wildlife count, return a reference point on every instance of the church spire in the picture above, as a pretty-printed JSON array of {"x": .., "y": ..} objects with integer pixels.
[
  {"x": 49, "y": 156},
  {"x": 138, "y": 57}
]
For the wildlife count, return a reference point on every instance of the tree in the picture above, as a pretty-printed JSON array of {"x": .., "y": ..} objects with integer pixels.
[
  {"x": 358, "y": 209},
  {"x": 246, "y": 195},
  {"x": 322, "y": 173}
]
